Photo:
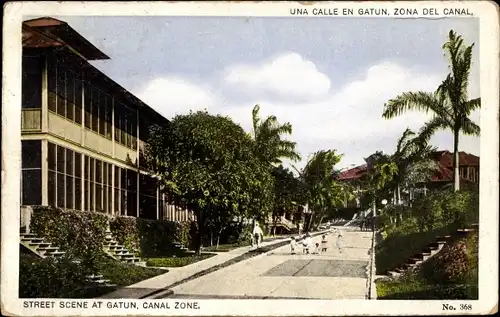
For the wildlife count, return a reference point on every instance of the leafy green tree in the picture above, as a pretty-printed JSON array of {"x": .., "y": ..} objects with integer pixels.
[
  {"x": 287, "y": 192},
  {"x": 321, "y": 190},
  {"x": 207, "y": 163},
  {"x": 269, "y": 143},
  {"x": 380, "y": 172},
  {"x": 449, "y": 104}
]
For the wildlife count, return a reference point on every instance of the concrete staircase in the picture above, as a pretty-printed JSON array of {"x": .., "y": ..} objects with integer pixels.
[
  {"x": 40, "y": 246},
  {"x": 429, "y": 251},
  {"x": 43, "y": 249},
  {"x": 119, "y": 252},
  {"x": 99, "y": 281}
]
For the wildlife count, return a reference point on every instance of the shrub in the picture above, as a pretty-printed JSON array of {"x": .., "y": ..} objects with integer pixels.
[
  {"x": 51, "y": 278},
  {"x": 150, "y": 237},
  {"x": 427, "y": 211},
  {"x": 461, "y": 207},
  {"x": 79, "y": 234}
]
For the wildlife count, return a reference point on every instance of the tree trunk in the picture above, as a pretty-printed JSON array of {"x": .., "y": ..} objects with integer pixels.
[
  {"x": 211, "y": 238},
  {"x": 398, "y": 194},
  {"x": 218, "y": 237},
  {"x": 456, "y": 161},
  {"x": 199, "y": 233}
]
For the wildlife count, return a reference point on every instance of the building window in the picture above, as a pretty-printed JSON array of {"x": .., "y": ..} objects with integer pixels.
[
  {"x": 65, "y": 92},
  {"x": 78, "y": 181},
  {"x": 31, "y": 172},
  {"x": 64, "y": 177},
  {"x": 31, "y": 82},
  {"x": 147, "y": 197},
  {"x": 31, "y": 154},
  {"x": 125, "y": 126}
]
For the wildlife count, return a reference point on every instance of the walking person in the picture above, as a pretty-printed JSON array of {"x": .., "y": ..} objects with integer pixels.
[
  {"x": 258, "y": 235},
  {"x": 324, "y": 243},
  {"x": 293, "y": 244},
  {"x": 339, "y": 242},
  {"x": 307, "y": 243}
]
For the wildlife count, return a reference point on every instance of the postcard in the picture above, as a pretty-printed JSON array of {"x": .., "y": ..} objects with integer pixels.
[{"x": 250, "y": 158}]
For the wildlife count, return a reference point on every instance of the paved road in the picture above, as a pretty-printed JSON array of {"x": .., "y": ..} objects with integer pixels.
[{"x": 279, "y": 274}]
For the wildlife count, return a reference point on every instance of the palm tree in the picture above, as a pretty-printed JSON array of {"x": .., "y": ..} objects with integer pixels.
[
  {"x": 322, "y": 191},
  {"x": 270, "y": 146},
  {"x": 412, "y": 158},
  {"x": 449, "y": 104}
]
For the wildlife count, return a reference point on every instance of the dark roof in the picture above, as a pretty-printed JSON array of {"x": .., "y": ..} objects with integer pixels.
[
  {"x": 60, "y": 33},
  {"x": 91, "y": 72}
]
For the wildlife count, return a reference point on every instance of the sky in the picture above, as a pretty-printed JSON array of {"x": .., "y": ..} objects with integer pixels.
[{"x": 328, "y": 77}]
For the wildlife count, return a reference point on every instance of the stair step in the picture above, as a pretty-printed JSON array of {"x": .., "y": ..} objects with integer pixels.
[
  {"x": 27, "y": 235},
  {"x": 56, "y": 253},
  {"x": 32, "y": 239},
  {"x": 141, "y": 263},
  {"x": 101, "y": 281},
  {"x": 95, "y": 277},
  {"x": 48, "y": 249}
]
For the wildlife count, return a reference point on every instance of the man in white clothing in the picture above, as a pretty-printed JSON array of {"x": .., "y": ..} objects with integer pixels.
[{"x": 258, "y": 235}]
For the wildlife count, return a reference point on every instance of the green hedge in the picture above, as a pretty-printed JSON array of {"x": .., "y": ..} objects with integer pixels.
[
  {"x": 80, "y": 234},
  {"x": 50, "y": 278},
  {"x": 150, "y": 238}
]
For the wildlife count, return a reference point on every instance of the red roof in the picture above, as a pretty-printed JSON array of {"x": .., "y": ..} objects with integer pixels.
[
  {"x": 353, "y": 173},
  {"x": 443, "y": 158}
]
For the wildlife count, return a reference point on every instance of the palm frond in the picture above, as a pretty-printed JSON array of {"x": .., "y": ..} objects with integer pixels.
[
  {"x": 470, "y": 128},
  {"x": 418, "y": 101},
  {"x": 472, "y": 105},
  {"x": 431, "y": 127}
]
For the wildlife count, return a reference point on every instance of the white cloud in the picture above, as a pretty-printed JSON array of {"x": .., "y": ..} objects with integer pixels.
[
  {"x": 173, "y": 95},
  {"x": 288, "y": 76},
  {"x": 348, "y": 119}
]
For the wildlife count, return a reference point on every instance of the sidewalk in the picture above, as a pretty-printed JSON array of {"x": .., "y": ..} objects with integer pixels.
[{"x": 177, "y": 274}]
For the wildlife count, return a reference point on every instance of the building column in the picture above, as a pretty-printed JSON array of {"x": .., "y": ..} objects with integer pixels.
[
  {"x": 45, "y": 173},
  {"x": 82, "y": 128},
  {"x": 157, "y": 200},
  {"x": 137, "y": 160},
  {"x": 44, "y": 115}
]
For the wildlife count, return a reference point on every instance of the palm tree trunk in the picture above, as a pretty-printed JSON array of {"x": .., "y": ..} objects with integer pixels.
[{"x": 456, "y": 161}]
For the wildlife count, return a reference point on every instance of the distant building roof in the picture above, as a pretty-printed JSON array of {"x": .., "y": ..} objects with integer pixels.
[
  {"x": 53, "y": 32},
  {"x": 443, "y": 158},
  {"x": 353, "y": 173}
]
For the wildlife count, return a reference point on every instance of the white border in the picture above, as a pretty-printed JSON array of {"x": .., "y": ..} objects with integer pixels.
[{"x": 487, "y": 12}]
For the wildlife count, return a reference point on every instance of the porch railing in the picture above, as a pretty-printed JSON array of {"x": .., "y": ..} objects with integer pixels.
[{"x": 31, "y": 119}]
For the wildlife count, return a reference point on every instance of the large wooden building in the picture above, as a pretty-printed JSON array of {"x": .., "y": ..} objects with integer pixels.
[{"x": 82, "y": 133}]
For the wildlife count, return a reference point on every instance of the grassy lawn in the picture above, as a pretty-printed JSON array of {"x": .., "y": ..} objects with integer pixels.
[
  {"x": 420, "y": 289},
  {"x": 226, "y": 247},
  {"x": 177, "y": 260},
  {"x": 123, "y": 274}
]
